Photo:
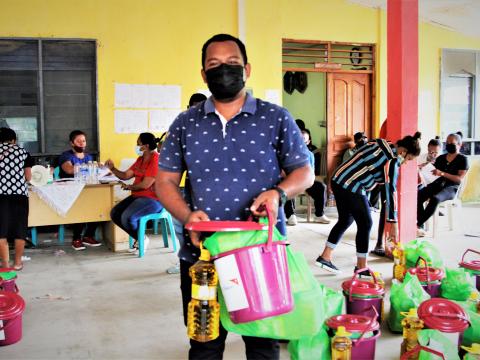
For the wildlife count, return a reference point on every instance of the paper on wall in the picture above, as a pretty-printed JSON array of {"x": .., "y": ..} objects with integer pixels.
[
  {"x": 131, "y": 121},
  {"x": 160, "y": 120},
  {"x": 143, "y": 96},
  {"x": 164, "y": 96},
  {"x": 273, "y": 96},
  {"x": 123, "y": 95}
]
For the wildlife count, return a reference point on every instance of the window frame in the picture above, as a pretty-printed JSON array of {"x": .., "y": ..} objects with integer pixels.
[{"x": 40, "y": 90}]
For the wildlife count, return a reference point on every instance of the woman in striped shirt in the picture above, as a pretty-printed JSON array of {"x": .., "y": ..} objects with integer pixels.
[{"x": 376, "y": 163}]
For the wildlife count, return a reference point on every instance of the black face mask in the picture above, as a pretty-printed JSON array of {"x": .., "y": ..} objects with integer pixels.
[
  {"x": 225, "y": 81},
  {"x": 451, "y": 148},
  {"x": 78, "y": 149}
]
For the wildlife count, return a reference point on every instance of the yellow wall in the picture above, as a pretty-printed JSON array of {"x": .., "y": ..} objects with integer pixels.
[{"x": 159, "y": 42}]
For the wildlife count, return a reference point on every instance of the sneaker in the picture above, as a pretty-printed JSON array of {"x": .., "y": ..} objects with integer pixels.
[
  {"x": 90, "y": 241},
  {"x": 327, "y": 265},
  {"x": 134, "y": 248},
  {"x": 364, "y": 273},
  {"x": 77, "y": 245},
  {"x": 421, "y": 232},
  {"x": 322, "y": 219},
  {"x": 174, "y": 269},
  {"x": 292, "y": 220}
]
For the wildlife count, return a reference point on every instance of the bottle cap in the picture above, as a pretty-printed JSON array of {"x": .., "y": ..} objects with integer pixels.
[
  {"x": 204, "y": 253},
  {"x": 474, "y": 349},
  {"x": 411, "y": 313},
  {"x": 474, "y": 296},
  {"x": 342, "y": 332}
]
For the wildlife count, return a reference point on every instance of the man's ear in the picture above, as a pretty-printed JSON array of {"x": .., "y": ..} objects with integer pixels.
[
  {"x": 204, "y": 76},
  {"x": 248, "y": 69}
]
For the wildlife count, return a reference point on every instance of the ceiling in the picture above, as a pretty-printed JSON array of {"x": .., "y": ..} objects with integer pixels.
[{"x": 459, "y": 15}]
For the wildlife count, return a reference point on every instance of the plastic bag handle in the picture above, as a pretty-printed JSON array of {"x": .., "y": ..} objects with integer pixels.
[
  {"x": 426, "y": 268},
  {"x": 419, "y": 348},
  {"x": 367, "y": 326},
  {"x": 470, "y": 250},
  {"x": 355, "y": 274},
  {"x": 270, "y": 229}
]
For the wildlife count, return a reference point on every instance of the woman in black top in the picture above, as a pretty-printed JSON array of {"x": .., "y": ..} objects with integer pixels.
[
  {"x": 451, "y": 168},
  {"x": 15, "y": 170}
]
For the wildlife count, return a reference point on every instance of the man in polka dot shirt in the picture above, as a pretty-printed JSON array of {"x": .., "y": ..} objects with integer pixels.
[{"x": 234, "y": 148}]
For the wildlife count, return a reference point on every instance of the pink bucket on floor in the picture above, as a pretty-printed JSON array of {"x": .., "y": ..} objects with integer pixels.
[
  {"x": 429, "y": 277},
  {"x": 254, "y": 280},
  {"x": 8, "y": 278},
  {"x": 473, "y": 266},
  {"x": 11, "y": 310}
]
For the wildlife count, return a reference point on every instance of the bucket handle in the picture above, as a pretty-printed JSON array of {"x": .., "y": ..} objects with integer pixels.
[
  {"x": 355, "y": 276},
  {"x": 269, "y": 242},
  {"x": 417, "y": 349},
  {"x": 426, "y": 270},
  {"x": 367, "y": 326},
  {"x": 452, "y": 316},
  {"x": 9, "y": 323},
  {"x": 469, "y": 250}
]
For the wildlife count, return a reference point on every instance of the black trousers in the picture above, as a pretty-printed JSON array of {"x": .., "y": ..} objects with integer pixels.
[
  {"x": 351, "y": 207},
  {"x": 255, "y": 348},
  {"x": 435, "y": 193},
  {"x": 318, "y": 192}
]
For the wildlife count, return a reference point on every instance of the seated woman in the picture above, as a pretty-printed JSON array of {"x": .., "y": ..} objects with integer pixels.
[
  {"x": 143, "y": 201},
  {"x": 450, "y": 169},
  {"x": 434, "y": 149},
  {"x": 16, "y": 164},
  {"x": 67, "y": 162}
]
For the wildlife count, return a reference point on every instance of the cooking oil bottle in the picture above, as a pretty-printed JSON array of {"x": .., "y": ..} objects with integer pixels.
[
  {"x": 341, "y": 345},
  {"x": 473, "y": 352},
  {"x": 411, "y": 326},
  {"x": 399, "y": 262},
  {"x": 474, "y": 301},
  {"x": 203, "y": 317}
]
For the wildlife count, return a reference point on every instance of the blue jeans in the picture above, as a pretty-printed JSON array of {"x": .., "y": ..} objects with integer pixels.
[{"x": 127, "y": 213}]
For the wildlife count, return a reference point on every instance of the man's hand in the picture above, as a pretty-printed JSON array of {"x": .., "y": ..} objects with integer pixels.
[
  {"x": 196, "y": 216},
  {"x": 437, "y": 172},
  {"x": 267, "y": 199},
  {"x": 391, "y": 231},
  {"x": 109, "y": 164}
]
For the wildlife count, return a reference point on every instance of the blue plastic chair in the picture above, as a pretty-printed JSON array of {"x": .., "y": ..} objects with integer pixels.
[{"x": 167, "y": 224}]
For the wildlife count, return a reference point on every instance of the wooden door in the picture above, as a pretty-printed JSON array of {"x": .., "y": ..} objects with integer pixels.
[{"x": 348, "y": 111}]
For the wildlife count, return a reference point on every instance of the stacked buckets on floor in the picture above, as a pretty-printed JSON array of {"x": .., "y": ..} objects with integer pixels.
[
  {"x": 365, "y": 332},
  {"x": 364, "y": 297},
  {"x": 11, "y": 308},
  {"x": 445, "y": 316},
  {"x": 472, "y": 266},
  {"x": 429, "y": 277}
]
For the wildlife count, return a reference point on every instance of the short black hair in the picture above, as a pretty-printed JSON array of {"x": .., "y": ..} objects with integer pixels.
[
  {"x": 222, "y": 38},
  {"x": 411, "y": 143},
  {"x": 358, "y": 136},
  {"x": 149, "y": 139},
  {"x": 300, "y": 123},
  {"x": 7, "y": 134},
  {"x": 74, "y": 134},
  {"x": 196, "y": 98},
  {"x": 435, "y": 142}
]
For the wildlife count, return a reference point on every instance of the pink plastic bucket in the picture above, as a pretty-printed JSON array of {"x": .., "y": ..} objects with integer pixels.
[
  {"x": 9, "y": 285},
  {"x": 11, "y": 310},
  {"x": 254, "y": 280},
  {"x": 8, "y": 279},
  {"x": 472, "y": 266},
  {"x": 429, "y": 277}
]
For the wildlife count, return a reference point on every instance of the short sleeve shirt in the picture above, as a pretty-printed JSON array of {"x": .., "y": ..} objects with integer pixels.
[
  {"x": 143, "y": 169},
  {"x": 13, "y": 160},
  {"x": 69, "y": 155},
  {"x": 229, "y": 163},
  {"x": 459, "y": 163}
]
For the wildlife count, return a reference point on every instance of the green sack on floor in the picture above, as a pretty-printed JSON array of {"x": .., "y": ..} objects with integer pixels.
[
  {"x": 457, "y": 284},
  {"x": 425, "y": 249},
  {"x": 311, "y": 348},
  {"x": 436, "y": 341},
  {"x": 403, "y": 297},
  {"x": 472, "y": 333},
  {"x": 334, "y": 303},
  {"x": 307, "y": 317},
  {"x": 221, "y": 242}
]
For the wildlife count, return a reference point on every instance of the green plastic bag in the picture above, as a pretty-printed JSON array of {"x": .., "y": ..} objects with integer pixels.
[
  {"x": 472, "y": 333},
  {"x": 311, "y": 348},
  {"x": 425, "y": 249},
  {"x": 403, "y": 297},
  {"x": 221, "y": 242},
  {"x": 333, "y": 302},
  {"x": 457, "y": 284},
  {"x": 307, "y": 317},
  {"x": 437, "y": 341}
]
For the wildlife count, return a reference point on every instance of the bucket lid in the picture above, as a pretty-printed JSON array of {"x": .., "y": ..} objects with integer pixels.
[
  {"x": 362, "y": 287},
  {"x": 11, "y": 305},
  {"x": 422, "y": 272},
  {"x": 213, "y": 226},
  {"x": 353, "y": 323},
  {"x": 8, "y": 274},
  {"x": 443, "y": 315},
  {"x": 471, "y": 265}
]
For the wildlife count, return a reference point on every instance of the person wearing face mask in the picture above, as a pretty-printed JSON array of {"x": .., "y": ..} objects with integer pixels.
[
  {"x": 234, "y": 148},
  {"x": 376, "y": 163},
  {"x": 428, "y": 159},
  {"x": 142, "y": 201},
  {"x": 450, "y": 169},
  {"x": 67, "y": 161},
  {"x": 360, "y": 139}
]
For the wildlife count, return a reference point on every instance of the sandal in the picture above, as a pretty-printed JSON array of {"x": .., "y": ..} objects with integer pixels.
[
  {"x": 379, "y": 252},
  {"x": 18, "y": 267}
]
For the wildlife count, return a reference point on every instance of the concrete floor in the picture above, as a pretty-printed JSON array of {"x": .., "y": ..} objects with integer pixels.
[{"x": 96, "y": 304}]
